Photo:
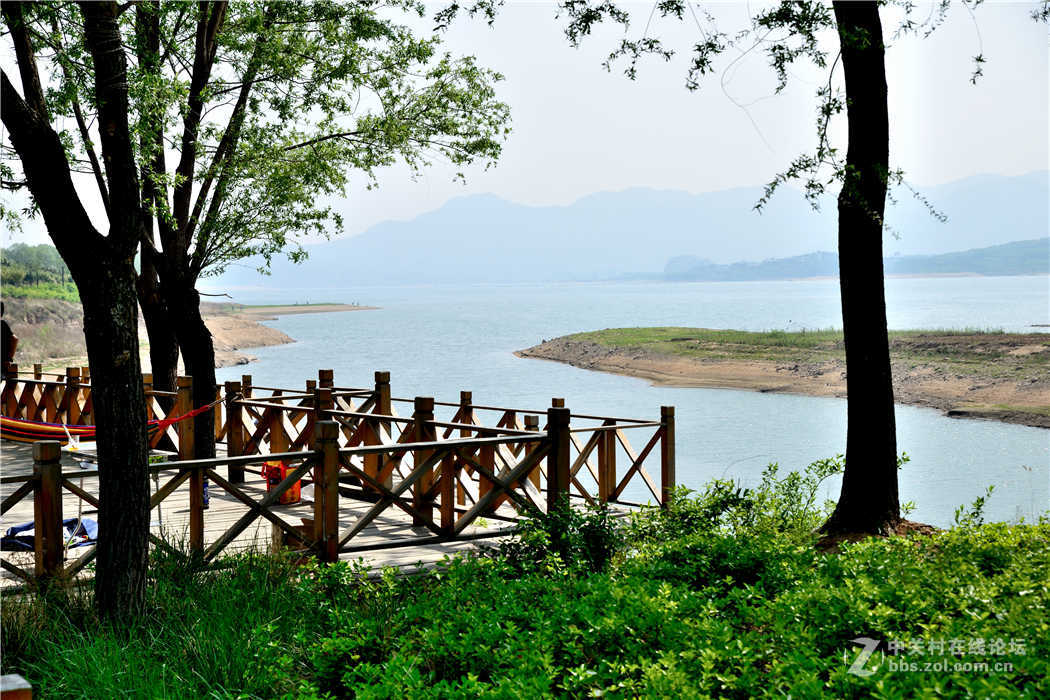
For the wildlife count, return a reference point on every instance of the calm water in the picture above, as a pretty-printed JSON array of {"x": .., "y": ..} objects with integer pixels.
[{"x": 438, "y": 340}]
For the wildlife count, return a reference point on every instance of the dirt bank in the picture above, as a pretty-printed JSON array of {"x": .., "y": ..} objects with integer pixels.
[
  {"x": 51, "y": 331},
  {"x": 998, "y": 376}
]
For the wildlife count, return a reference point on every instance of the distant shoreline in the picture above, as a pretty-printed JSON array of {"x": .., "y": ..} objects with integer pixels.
[
  {"x": 995, "y": 376},
  {"x": 51, "y": 330},
  {"x": 236, "y": 327}
]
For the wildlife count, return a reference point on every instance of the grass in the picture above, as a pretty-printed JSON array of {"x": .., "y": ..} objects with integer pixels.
[
  {"x": 45, "y": 290},
  {"x": 722, "y": 595},
  {"x": 982, "y": 352}
]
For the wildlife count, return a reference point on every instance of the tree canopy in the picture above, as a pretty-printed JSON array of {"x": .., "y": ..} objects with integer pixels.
[{"x": 263, "y": 109}]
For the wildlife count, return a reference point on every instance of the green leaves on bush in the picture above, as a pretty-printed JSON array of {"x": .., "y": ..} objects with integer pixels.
[{"x": 720, "y": 595}]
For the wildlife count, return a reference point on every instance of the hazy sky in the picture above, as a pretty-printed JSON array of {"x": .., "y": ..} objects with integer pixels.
[{"x": 578, "y": 129}]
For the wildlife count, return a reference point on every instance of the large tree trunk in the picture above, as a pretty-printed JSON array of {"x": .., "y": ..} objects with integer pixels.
[
  {"x": 103, "y": 269},
  {"x": 869, "y": 500},
  {"x": 111, "y": 332},
  {"x": 198, "y": 357}
]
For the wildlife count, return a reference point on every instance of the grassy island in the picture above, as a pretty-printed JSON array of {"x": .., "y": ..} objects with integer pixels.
[{"x": 984, "y": 374}]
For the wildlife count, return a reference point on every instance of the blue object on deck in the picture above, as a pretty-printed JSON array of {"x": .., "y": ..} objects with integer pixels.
[{"x": 80, "y": 532}]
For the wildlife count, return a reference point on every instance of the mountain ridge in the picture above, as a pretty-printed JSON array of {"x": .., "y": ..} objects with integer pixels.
[
  {"x": 633, "y": 232},
  {"x": 1030, "y": 257}
]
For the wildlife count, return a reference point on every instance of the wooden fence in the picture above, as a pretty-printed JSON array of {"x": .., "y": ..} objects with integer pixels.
[{"x": 444, "y": 466}]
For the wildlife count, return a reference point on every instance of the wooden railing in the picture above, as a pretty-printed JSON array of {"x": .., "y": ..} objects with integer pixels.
[{"x": 441, "y": 466}]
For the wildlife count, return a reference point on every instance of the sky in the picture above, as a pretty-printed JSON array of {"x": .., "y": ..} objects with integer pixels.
[{"x": 579, "y": 129}]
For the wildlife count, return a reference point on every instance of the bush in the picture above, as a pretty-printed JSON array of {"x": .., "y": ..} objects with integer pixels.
[{"x": 721, "y": 595}]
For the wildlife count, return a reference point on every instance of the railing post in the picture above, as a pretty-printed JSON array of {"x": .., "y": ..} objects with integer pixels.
[
  {"x": 38, "y": 371},
  {"x": 234, "y": 429},
  {"x": 532, "y": 424},
  {"x": 606, "y": 464},
  {"x": 326, "y": 492},
  {"x": 667, "y": 467},
  {"x": 147, "y": 389},
  {"x": 466, "y": 415},
  {"x": 278, "y": 438},
  {"x": 47, "y": 509},
  {"x": 383, "y": 405},
  {"x": 424, "y": 432},
  {"x": 558, "y": 464},
  {"x": 72, "y": 401},
  {"x": 183, "y": 405},
  {"x": 325, "y": 378},
  {"x": 246, "y": 386},
  {"x": 10, "y": 400},
  {"x": 14, "y": 687},
  {"x": 217, "y": 413},
  {"x": 85, "y": 374},
  {"x": 323, "y": 403}
]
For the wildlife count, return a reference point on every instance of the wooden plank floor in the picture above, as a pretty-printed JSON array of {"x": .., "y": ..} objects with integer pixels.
[{"x": 170, "y": 519}]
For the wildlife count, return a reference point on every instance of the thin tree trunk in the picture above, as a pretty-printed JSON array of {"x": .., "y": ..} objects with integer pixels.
[
  {"x": 869, "y": 499},
  {"x": 198, "y": 357},
  {"x": 163, "y": 345}
]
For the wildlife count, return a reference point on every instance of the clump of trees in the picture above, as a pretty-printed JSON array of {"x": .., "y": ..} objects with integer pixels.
[{"x": 32, "y": 264}]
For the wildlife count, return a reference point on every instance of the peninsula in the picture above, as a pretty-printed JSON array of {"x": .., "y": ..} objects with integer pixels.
[{"x": 993, "y": 375}]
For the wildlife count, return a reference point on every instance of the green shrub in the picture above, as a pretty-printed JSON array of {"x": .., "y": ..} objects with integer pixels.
[{"x": 721, "y": 595}]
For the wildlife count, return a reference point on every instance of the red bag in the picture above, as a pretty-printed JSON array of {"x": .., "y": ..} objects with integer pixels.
[{"x": 275, "y": 473}]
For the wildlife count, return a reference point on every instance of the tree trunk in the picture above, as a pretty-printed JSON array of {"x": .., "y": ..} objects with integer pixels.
[
  {"x": 198, "y": 357},
  {"x": 103, "y": 270},
  {"x": 107, "y": 292},
  {"x": 869, "y": 500},
  {"x": 163, "y": 346}
]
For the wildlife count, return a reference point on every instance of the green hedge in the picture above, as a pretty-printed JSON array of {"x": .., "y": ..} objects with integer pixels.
[{"x": 724, "y": 595}]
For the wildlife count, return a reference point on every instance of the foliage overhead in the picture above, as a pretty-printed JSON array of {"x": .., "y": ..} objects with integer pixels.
[{"x": 265, "y": 123}]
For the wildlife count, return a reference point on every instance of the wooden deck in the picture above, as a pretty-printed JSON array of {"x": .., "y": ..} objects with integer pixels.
[{"x": 170, "y": 520}]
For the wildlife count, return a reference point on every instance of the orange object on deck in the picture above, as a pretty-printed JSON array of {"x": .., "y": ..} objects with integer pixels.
[{"x": 275, "y": 473}]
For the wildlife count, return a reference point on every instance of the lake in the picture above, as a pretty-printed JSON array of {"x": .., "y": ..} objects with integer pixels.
[{"x": 438, "y": 340}]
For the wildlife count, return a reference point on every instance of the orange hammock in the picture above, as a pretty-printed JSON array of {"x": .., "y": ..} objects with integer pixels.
[{"x": 20, "y": 430}]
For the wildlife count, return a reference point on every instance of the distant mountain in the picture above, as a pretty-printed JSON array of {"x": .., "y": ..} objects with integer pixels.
[
  {"x": 1018, "y": 258},
  {"x": 632, "y": 233}
]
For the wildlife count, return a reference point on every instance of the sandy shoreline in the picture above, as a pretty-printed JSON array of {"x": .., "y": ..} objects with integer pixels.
[{"x": 1022, "y": 400}]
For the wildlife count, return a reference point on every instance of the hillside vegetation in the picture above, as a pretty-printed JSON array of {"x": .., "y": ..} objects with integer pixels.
[{"x": 35, "y": 272}]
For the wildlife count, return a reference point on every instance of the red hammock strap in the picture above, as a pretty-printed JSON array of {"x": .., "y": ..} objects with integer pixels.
[{"x": 165, "y": 423}]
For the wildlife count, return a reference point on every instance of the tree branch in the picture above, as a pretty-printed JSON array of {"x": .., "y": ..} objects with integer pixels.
[
  {"x": 228, "y": 143},
  {"x": 208, "y": 24},
  {"x": 85, "y": 135},
  {"x": 27, "y": 70},
  {"x": 47, "y": 173},
  {"x": 154, "y": 167},
  {"x": 102, "y": 37}
]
